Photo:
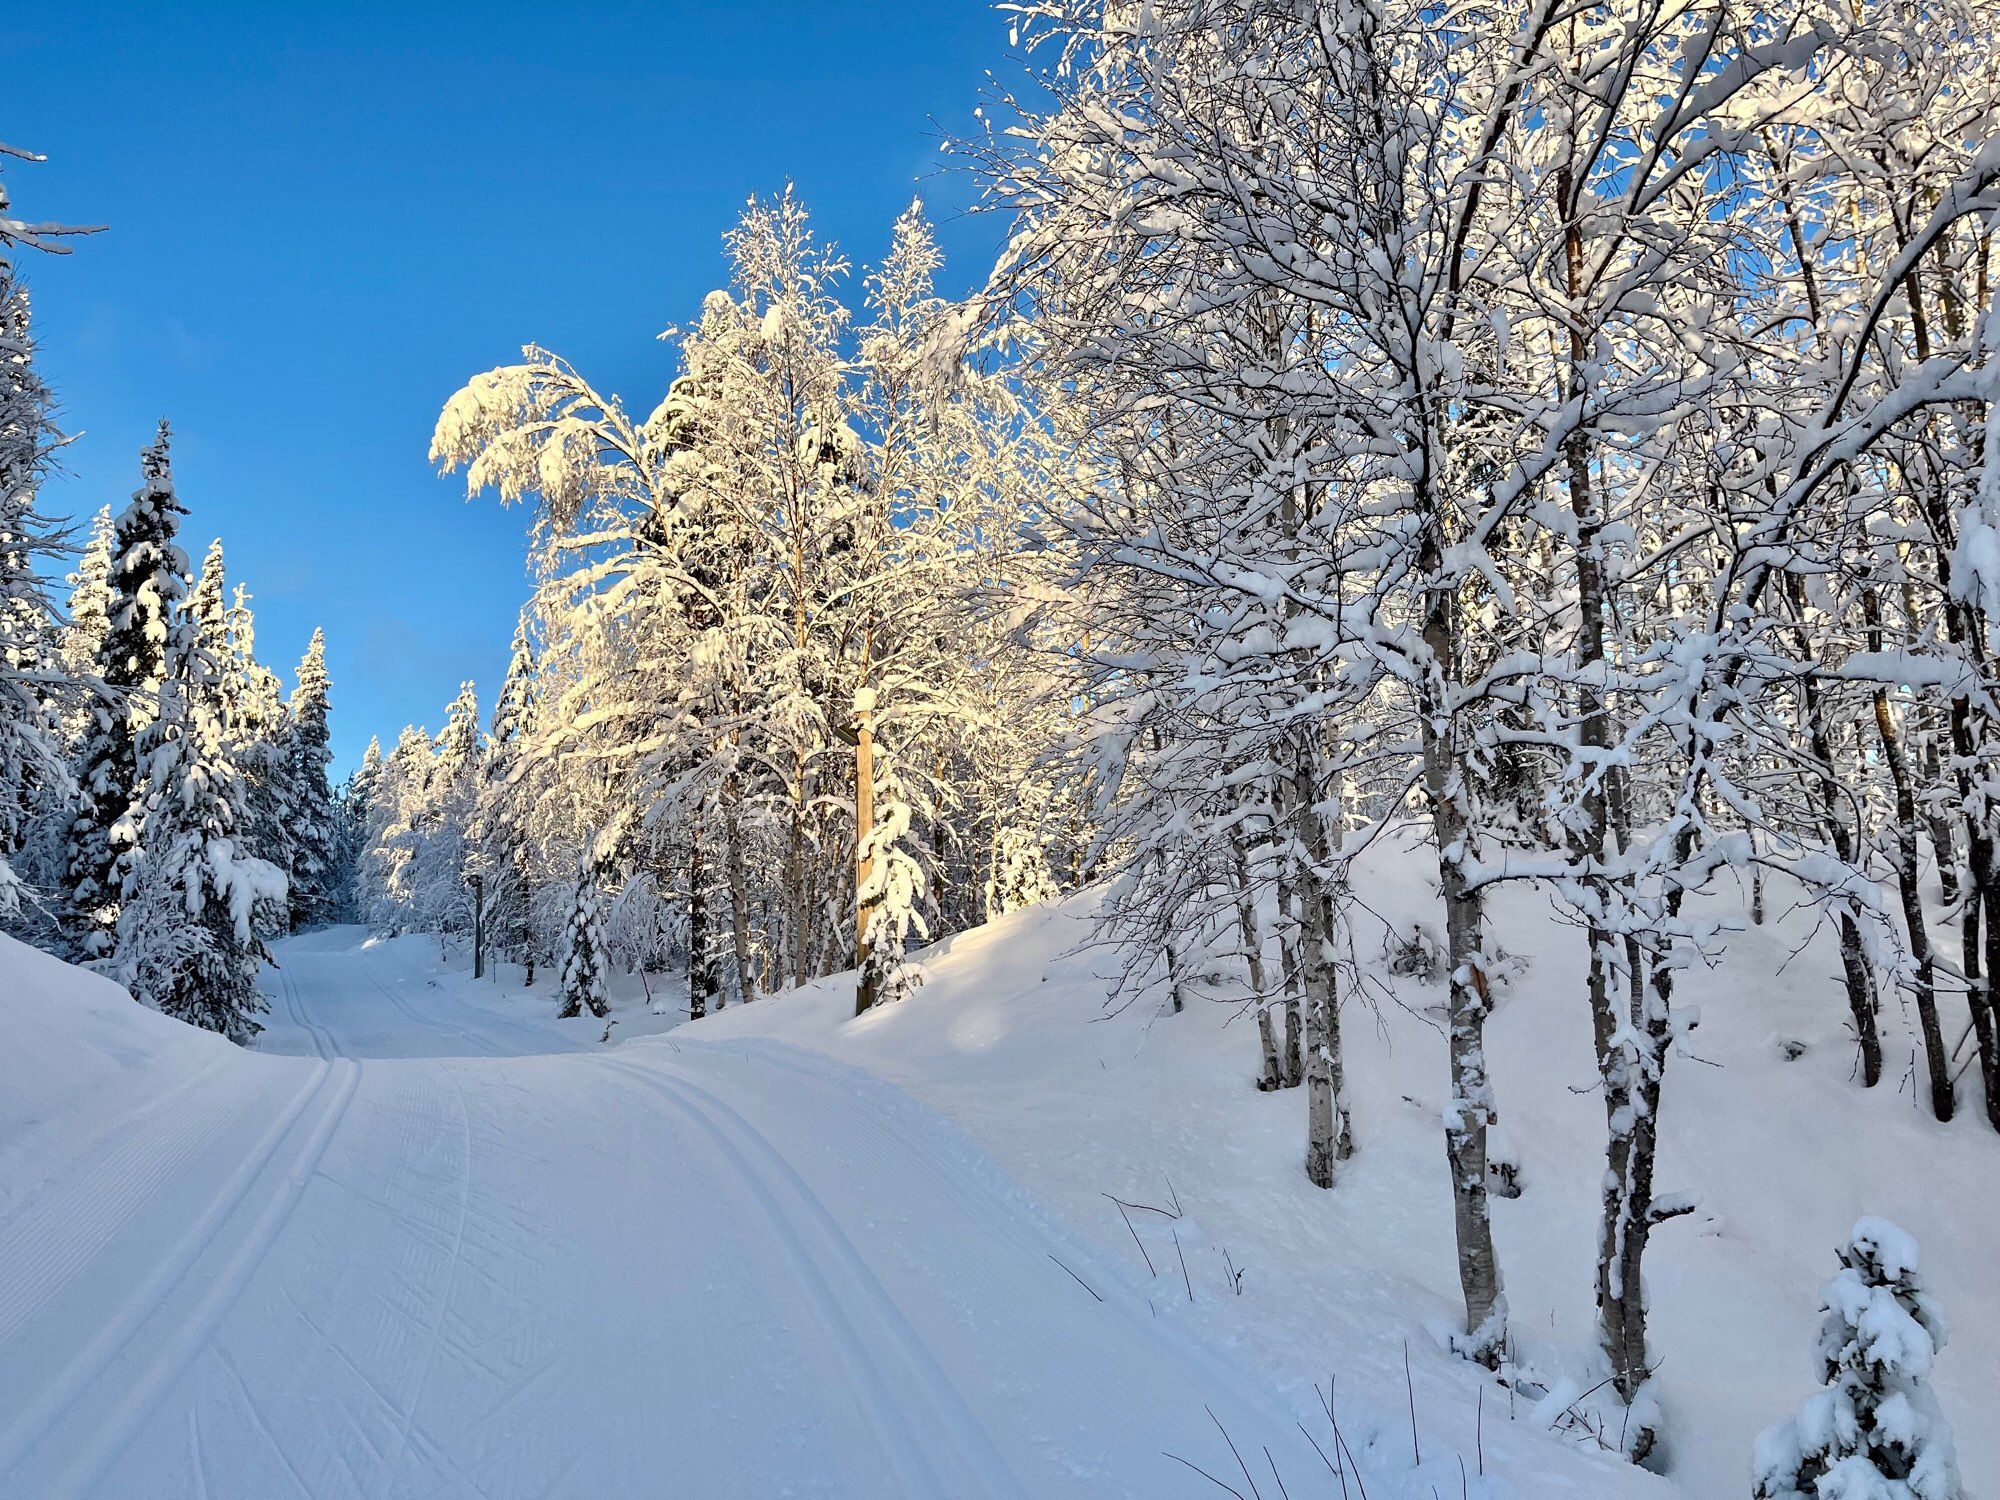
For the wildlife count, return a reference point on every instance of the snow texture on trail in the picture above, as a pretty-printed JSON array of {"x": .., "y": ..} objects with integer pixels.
[
  {"x": 1763, "y": 1124},
  {"x": 424, "y": 1243}
]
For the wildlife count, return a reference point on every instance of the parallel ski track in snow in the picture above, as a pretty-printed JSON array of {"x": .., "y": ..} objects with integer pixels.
[
  {"x": 321, "y": 1038},
  {"x": 409, "y": 1013},
  {"x": 895, "y": 1374},
  {"x": 543, "y": 1041},
  {"x": 1006, "y": 1213},
  {"x": 407, "y": 1408},
  {"x": 330, "y": 1090},
  {"x": 55, "y": 1233}
]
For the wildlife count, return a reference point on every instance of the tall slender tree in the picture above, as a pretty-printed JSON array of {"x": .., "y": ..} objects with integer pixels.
[
  {"x": 148, "y": 585},
  {"x": 500, "y": 854},
  {"x": 32, "y": 766},
  {"x": 311, "y": 815}
]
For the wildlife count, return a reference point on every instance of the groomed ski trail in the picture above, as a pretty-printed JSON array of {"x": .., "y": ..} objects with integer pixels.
[{"x": 420, "y": 1246}]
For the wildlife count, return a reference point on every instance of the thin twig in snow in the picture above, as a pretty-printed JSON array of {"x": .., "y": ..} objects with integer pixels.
[
  {"x": 1135, "y": 1237},
  {"x": 1416, "y": 1456},
  {"x": 1283, "y": 1493},
  {"x": 1340, "y": 1439},
  {"x": 1206, "y": 1475},
  {"x": 1080, "y": 1282},
  {"x": 1255, "y": 1493},
  {"x": 1336, "y": 1473}
]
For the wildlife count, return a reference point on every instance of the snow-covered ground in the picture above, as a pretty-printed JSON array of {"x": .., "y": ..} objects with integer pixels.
[
  {"x": 440, "y": 1248},
  {"x": 429, "y": 1240},
  {"x": 1008, "y": 1037}
]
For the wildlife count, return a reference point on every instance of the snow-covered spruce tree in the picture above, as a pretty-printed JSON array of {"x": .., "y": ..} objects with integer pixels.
[
  {"x": 312, "y": 818},
  {"x": 260, "y": 744},
  {"x": 186, "y": 943},
  {"x": 357, "y": 800},
  {"x": 148, "y": 584},
  {"x": 208, "y": 607},
  {"x": 396, "y": 813},
  {"x": 1875, "y": 1432},
  {"x": 499, "y": 853},
  {"x": 33, "y": 769},
  {"x": 88, "y": 623},
  {"x": 582, "y": 954},
  {"x": 243, "y": 695},
  {"x": 1020, "y": 875},
  {"x": 438, "y": 868}
]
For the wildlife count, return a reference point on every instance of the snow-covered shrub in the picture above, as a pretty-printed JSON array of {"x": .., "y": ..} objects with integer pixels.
[
  {"x": 1875, "y": 1432},
  {"x": 896, "y": 889},
  {"x": 1417, "y": 956},
  {"x": 1020, "y": 876}
]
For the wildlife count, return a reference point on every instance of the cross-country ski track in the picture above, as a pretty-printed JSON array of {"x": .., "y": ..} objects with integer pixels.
[{"x": 422, "y": 1243}]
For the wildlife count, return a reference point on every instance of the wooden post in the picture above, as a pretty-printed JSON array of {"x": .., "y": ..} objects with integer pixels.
[{"x": 864, "y": 824}]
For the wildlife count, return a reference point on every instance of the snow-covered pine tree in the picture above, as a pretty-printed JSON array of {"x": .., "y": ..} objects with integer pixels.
[
  {"x": 1875, "y": 1432},
  {"x": 312, "y": 817},
  {"x": 89, "y": 616},
  {"x": 33, "y": 770},
  {"x": 500, "y": 852},
  {"x": 186, "y": 944},
  {"x": 148, "y": 584},
  {"x": 396, "y": 811},
  {"x": 208, "y": 608},
  {"x": 438, "y": 868},
  {"x": 357, "y": 798},
  {"x": 583, "y": 941},
  {"x": 243, "y": 696},
  {"x": 258, "y": 733}
]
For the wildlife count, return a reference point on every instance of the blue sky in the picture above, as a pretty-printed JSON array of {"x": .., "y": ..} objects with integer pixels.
[{"x": 323, "y": 218}]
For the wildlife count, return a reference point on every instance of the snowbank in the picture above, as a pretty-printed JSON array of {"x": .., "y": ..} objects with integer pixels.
[
  {"x": 81, "y": 1058},
  {"x": 1763, "y": 1125}
]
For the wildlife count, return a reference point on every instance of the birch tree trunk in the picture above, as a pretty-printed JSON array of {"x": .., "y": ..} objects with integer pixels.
[
  {"x": 1328, "y": 1137},
  {"x": 795, "y": 957},
  {"x": 1292, "y": 1073},
  {"x": 1270, "y": 1075},
  {"x": 1904, "y": 854},
  {"x": 1470, "y": 1111},
  {"x": 1844, "y": 836},
  {"x": 867, "y": 987}
]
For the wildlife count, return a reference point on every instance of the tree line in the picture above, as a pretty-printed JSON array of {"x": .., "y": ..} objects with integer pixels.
[
  {"x": 1565, "y": 434},
  {"x": 1563, "y": 437},
  {"x": 164, "y": 810},
  {"x": 779, "y": 608}
]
